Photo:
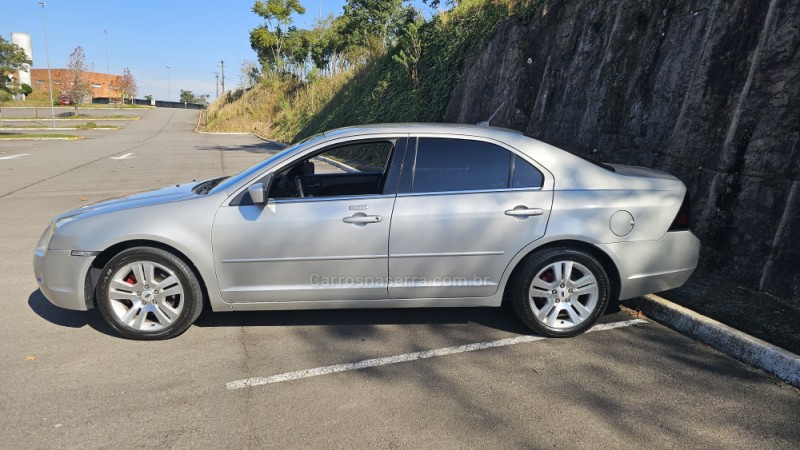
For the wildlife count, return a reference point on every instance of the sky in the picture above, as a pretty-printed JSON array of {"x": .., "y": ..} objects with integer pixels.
[{"x": 191, "y": 37}]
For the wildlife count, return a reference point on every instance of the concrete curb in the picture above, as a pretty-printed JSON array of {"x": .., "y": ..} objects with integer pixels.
[
  {"x": 774, "y": 360},
  {"x": 337, "y": 164},
  {"x": 269, "y": 140}
]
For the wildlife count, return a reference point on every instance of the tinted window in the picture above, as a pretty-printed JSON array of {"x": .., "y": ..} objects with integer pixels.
[
  {"x": 347, "y": 170},
  {"x": 525, "y": 175},
  {"x": 460, "y": 165},
  {"x": 365, "y": 157}
]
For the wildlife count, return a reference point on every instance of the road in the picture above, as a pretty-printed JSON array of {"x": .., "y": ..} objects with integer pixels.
[{"x": 69, "y": 382}]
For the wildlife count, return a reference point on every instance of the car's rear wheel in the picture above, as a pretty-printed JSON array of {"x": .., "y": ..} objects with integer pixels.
[
  {"x": 560, "y": 292},
  {"x": 148, "y": 293}
]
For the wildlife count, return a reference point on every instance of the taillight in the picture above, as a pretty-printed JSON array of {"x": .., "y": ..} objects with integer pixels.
[{"x": 681, "y": 221}]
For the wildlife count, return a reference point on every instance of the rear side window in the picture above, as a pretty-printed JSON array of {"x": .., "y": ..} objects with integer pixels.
[
  {"x": 525, "y": 175},
  {"x": 447, "y": 165}
]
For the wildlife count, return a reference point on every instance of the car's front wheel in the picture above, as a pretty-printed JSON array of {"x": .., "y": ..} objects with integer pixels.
[
  {"x": 148, "y": 293},
  {"x": 560, "y": 292}
]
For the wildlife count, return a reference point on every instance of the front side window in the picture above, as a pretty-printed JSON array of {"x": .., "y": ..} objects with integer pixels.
[
  {"x": 451, "y": 165},
  {"x": 357, "y": 168}
]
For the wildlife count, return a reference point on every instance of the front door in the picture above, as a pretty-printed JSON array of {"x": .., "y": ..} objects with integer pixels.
[{"x": 319, "y": 238}]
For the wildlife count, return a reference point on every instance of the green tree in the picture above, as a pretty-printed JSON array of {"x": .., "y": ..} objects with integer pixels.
[
  {"x": 188, "y": 96},
  {"x": 12, "y": 58},
  {"x": 372, "y": 20},
  {"x": 436, "y": 3},
  {"x": 409, "y": 46},
  {"x": 268, "y": 39},
  {"x": 327, "y": 42}
]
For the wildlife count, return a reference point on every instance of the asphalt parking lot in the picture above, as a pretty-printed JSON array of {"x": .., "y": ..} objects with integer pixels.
[{"x": 299, "y": 378}]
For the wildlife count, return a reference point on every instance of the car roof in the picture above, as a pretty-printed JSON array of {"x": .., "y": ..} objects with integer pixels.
[{"x": 498, "y": 133}]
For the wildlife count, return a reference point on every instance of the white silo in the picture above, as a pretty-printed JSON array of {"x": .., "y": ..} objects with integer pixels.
[{"x": 24, "y": 41}]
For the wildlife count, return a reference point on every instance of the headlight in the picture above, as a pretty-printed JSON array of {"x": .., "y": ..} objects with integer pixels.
[
  {"x": 41, "y": 247},
  {"x": 44, "y": 241}
]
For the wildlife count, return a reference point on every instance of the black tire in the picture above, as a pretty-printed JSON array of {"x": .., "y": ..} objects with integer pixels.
[
  {"x": 192, "y": 296},
  {"x": 524, "y": 303}
]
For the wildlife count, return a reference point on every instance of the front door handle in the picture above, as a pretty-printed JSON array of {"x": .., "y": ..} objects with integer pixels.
[
  {"x": 522, "y": 212},
  {"x": 361, "y": 219}
]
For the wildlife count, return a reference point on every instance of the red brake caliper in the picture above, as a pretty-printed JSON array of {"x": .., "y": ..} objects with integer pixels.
[{"x": 548, "y": 276}]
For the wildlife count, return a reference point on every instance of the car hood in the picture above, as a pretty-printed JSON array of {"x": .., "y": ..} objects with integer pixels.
[{"x": 168, "y": 194}]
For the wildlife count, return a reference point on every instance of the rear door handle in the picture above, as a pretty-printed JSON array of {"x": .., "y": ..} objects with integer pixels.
[
  {"x": 361, "y": 219},
  {"x": 522, "y": 212}
]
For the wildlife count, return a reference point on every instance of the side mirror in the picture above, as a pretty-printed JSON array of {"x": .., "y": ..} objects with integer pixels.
[{"x": 258, "y": 191}]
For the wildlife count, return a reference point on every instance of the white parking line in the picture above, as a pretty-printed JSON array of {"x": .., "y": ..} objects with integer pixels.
[
  {"x": 13, "y": 156},
  {"x": 307, "y": 373},
  {"x": 125, "y": 156}
]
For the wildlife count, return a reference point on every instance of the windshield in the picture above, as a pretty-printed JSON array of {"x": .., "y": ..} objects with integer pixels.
[{"x": 247, "y": 173}]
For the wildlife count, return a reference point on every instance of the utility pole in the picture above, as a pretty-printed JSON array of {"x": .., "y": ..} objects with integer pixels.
[
  {"x": 47, "y": 55},
  {"x": 222, "y": 65},
  {"x": 216, "y": 85}
]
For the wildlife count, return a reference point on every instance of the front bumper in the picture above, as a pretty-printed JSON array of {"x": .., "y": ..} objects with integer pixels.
[
  {"x": 646, "y": 267},
  {"x": 62, "y": 277}
]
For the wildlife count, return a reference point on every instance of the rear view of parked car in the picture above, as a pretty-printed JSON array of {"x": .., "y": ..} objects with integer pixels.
[{"x": 379, "y": 216}]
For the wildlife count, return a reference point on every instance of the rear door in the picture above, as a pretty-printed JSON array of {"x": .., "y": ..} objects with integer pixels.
[{"x": 465, "y": 207}]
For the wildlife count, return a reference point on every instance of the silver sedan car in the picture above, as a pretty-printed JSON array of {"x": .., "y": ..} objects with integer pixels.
[{"x": 379, "y": 216}]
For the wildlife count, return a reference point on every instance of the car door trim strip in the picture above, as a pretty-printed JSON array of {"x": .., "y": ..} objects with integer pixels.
[
  {"x": 303, "y": 258},
  {"x": 445, "y": 255}
]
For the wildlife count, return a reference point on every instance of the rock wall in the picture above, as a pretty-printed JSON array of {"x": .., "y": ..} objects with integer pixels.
[{"x": 706, "y": 90}]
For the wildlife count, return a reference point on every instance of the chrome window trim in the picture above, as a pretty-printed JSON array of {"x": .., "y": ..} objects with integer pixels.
[{"x": 327, "y": 199}]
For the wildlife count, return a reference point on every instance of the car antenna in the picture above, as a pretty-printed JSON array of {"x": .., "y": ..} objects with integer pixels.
[{"x": 486, "y": 123}]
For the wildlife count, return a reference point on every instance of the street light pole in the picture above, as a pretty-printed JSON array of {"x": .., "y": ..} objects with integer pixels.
[
  {"x": 49, "y": 76},
  {"x": 108, "y": 69},
  {"x": 169, "y": 86}
]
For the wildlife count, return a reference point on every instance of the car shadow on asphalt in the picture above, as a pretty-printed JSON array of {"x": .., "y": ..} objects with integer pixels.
[
  {"x": 66, "y": 317},
  {"x": 497, "y": 318},
  {"x": 503, "y": 318}
]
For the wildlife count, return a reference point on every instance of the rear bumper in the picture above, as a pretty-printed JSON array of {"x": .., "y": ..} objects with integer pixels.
[
  {"x": 646, "y": 267},
  {"x": 62, "y": 277}
]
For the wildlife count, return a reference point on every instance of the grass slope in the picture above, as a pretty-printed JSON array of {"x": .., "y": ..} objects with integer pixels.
[{"x": 381, "y": 91}]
